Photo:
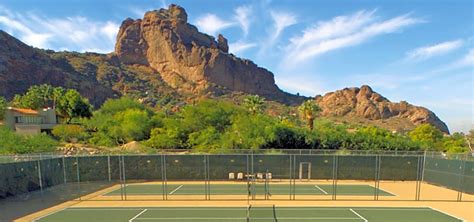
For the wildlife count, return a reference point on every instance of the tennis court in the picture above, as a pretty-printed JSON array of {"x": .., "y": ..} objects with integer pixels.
[
  {"x": 244, "y": 189},
  {"x": 252, "y": 213}
]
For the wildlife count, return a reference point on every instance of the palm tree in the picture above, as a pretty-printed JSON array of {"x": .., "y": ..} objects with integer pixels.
[
  {"x": 308, "y": 111},
  {"x": 254, "y": 104}
]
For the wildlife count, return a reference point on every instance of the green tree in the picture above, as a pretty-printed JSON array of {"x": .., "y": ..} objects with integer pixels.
[
  {"x": 456, "y": 143},
  {"x": 470, "y": 139},
  {"x": 56, "y": 95},
  {"x": 69, "y": 133},
  {"x": 112, "y": 106},
  {"x": 122, "y": 120},
  {"x": 68, "y": 103},
  {"x": 308, "y": 112},
  {"x": 3, "y": 106},
  {"x": 34, "y": 98},
  {"x": 254, "y": 104},
  {"x": 427, "y": 135},
  {"x": 73, "y": 105}
]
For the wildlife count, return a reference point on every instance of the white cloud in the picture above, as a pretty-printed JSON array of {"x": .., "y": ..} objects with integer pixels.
[
  {"x": 467, "y": 60},
  {"x": 74, "y": 33},
  {"x": 427, "y": 52},
  {"x": 242, "y": 16},
  {"x": 211, "y": 24},
  {"x": 341, "y": 32},
  {"x": 110, "y": 30},
  {"x": 240, "y": 46},
  {"x": 164, "y": 4},
  {"x": 281, "y": 21},
  {"x": 26, "y": 34}
]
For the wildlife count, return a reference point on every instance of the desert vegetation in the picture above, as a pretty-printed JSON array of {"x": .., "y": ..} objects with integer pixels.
[{"x": 209, "y": 125}]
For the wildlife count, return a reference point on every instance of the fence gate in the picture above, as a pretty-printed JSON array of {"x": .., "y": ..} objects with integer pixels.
[{"x": 305, "y": 171}]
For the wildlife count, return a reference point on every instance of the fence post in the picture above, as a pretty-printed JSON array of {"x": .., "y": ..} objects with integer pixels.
[
  {"x": 40, "y": 177},
  {"x": 64, "y": 170},
  {"x": 78, "y": 176},
  {"x": 108, "y": 167}
]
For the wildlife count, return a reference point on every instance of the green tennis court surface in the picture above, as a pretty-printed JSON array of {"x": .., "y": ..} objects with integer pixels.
[
  {"x": 259, "y": 214},
  {"x": 243, "y": 189}
]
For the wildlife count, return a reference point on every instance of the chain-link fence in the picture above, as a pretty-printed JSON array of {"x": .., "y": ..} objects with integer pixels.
[{"x": 299, "y": 174}]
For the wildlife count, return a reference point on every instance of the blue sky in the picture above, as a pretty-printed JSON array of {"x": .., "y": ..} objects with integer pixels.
[{"x": 420, "y": 51}]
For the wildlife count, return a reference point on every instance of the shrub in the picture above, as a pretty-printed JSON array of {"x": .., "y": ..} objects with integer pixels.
[
  {"x": 69, "y": 133},
  {"x": 12, "y": 143}
]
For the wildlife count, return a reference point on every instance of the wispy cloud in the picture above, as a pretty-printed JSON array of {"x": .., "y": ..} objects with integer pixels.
[
  {"x": 392, "y": 81},
  {"x": 73, "y": 33},
  {"x": 281, "y": 20},
  {"x": 164, "y": 4},
  {"x": 242, "y": 16},
  {"x": 211, "y": 24},
  {"x": 467, "y": 60},
  {"x": 427, "y": 52},
  {"x": 343, "y": 31},
  {"x": 240, "y": 46}
]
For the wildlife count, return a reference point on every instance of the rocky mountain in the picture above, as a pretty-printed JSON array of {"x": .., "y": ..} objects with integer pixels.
[
  {"x": 364, "y": 103},
  {"x": 96, "y": 76},
  {"x": 190, "y": 61},
  {"x": 162, "y": 59},
  {"x": 22, "y": 66}
]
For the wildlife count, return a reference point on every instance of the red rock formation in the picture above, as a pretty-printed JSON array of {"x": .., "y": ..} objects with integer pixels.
[
  {"x": 191, "y": 61},
  {"x": 365, "y": 103}
]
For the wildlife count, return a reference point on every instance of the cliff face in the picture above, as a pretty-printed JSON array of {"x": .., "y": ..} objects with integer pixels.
[
  {"x": 190, "y": 61},
  {"x": 364, "y": 103}
]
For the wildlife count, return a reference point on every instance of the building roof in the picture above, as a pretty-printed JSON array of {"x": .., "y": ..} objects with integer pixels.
[{"x": 24, "y": 111}]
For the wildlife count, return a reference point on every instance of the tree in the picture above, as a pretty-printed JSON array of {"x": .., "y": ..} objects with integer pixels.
[
  {"x": 455, "y": 143},
  {"x": 427, "y": 135},
  {"x": 72, "y": 105},
  {"x": 56, "y": 95},
  {"x": 122, "y": 120},
  {"x": 3, "y": 106},
  {"x": 112, "y": 106},
  {"x": 69, "y": 133},
  {"x": 34, "y": 98},
  {"x": 308, "y": 112},
  {"x": 67, "y": 102},
  {"x": 254, "y": 104},
  {"x": 470, "y": 139}
]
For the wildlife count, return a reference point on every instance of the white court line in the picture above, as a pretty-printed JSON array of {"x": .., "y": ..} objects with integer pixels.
[
  {"x": 445, "y": 213},
  {"x": 383, "y": 190},
  {"x": 135, "y": 217},
  {"x": 258, "y": 218},
  {"x": 319, "y": 188},
  {"x": 361, "y": 217},
  {"x": 172, "y": 192},
  {"x": 56, "y": 211}
]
